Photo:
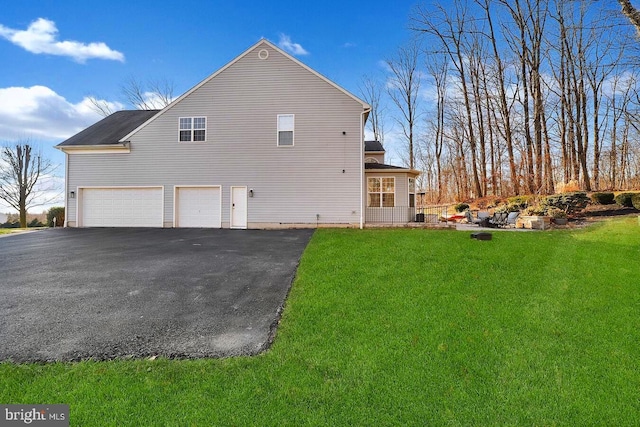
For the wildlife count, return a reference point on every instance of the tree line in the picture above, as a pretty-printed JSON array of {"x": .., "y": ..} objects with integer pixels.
[{"x": 504, "y": 97}]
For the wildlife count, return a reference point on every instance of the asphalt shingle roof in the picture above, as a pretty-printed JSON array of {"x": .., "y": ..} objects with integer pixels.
[
  {"x": 373, "y": 146},
  {"x": 381, "y": 166},
  {"x": 110, "y": 129}
]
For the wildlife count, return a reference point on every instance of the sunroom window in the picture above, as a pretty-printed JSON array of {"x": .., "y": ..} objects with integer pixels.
[
  {"x": 381, "y": 192},
  {"x": 412, "y": 192}
]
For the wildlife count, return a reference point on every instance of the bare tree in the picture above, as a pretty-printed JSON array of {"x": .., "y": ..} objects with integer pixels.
[
  {"x": 501, "y": 84},
  {"x": 149, "y": 95},
  {"x": 20, "y": 170},
  {"x": 604, "y": 57},
  {"x": 631, "y": 12},
  {"x": 152, "y": 95},
  {"x": 403, "y": 91},
  {"x": 438, "y": 72},
  {"x": 528, "y": 94},
  {"x": 371, "y": 91},
  {"x": 100, "y": 106},
  {"x": 450, "y": 30}
]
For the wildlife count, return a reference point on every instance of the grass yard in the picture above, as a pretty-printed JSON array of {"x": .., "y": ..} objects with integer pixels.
[
  {"x": 18, "y": 230},
  {"x": 404, "y": 327}
]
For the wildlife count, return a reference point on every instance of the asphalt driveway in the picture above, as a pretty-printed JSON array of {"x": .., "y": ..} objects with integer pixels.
[{"x": 71, "y": 294}]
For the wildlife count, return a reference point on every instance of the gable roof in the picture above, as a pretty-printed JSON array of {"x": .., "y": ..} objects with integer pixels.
[
  {"x": 373, "y": 146},
  {"x": 111, "y": 129},
  {"x": 366, "y": 107}
]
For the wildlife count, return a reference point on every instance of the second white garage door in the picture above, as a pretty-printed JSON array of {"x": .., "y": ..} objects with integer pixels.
[
  {"x": 198, "y": 207},
  {"x": 121, "y": 207}
]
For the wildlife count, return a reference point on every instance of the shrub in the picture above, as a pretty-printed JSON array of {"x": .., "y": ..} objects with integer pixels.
[
  {"x": 56, "y": 212},
  {"x": 35, "y": 222},
  {"x": 624, "y": 199},
  {"x": 510, "y": 207},
  {"x": 635, "y": 201},
  {"x": 568, "y": 202},
  {"x": 461, "y": 207},
  {"x": 555, "y": 213},
  {"x": 521, "y": 201},
  {"x": 605, "y": 198},
  {"x": 534, "y": 210}
]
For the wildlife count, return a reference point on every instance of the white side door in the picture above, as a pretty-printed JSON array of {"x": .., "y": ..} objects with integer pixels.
[{"x": 238, "y": 207}]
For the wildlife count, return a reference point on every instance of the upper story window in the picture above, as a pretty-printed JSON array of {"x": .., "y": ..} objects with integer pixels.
[
  {"x": 286, "y": 125},
  {"x": 193, "y": 129}
]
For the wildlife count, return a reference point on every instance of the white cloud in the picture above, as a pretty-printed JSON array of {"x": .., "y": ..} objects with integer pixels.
[
  {"x": 286, "y": 44},
  {"x": 40, "y": 113},
  {"x": 41, "y": 116},
  {"x": 41, "y": 37},
  {"x": 348, "y": 45}
]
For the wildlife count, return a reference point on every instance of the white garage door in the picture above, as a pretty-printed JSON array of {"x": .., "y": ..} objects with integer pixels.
[
  {"x": 121, "y": 207},
  {"x": 198, "y": 207}
]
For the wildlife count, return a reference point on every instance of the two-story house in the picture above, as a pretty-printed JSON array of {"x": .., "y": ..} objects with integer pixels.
[{"x": 263, "y": 142}]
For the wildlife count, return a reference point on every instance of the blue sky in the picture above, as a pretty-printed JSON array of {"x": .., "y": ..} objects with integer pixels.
[{"x": 55, "y": 53}]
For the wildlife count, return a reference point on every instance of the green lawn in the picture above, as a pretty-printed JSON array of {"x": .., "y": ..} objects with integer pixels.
[
  {"x": 404, "y": 327},
  {"x": 18, "y": 230}
]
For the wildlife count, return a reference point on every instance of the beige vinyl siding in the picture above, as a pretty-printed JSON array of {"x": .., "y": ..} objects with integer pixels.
[
  {"x": 290, "y": 184},
  {"x": 378, "y": 157}
]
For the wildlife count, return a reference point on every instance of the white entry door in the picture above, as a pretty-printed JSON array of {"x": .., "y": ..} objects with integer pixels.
[{"x": 238, "y": 207}]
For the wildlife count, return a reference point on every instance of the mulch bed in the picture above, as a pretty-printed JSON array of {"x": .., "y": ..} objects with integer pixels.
[
  {"x": 607, "y": 210},
  {"x": 594, "y": 213}
]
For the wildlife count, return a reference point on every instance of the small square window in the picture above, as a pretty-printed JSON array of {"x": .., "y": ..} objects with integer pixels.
[
  {"x": 185, "y": 123},
  {"x": 199, "y": 122},
  {"x": 185, "y": 135},
  {"x": 192, "y": 129},
  {"x": 285, "y": 138},
  {"x": 198, "y": 135}
]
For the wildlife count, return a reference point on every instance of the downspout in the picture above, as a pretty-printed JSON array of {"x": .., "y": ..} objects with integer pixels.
[{"x": 66, "y": 189}]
